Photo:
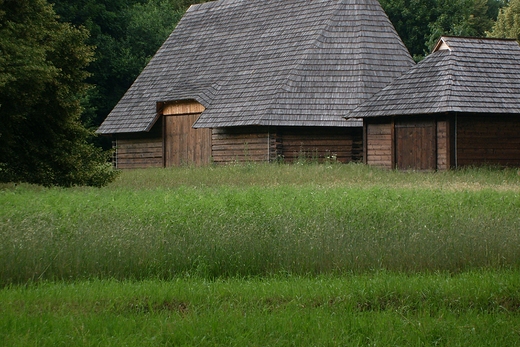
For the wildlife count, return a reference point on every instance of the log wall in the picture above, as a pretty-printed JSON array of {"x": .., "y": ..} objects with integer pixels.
[
  {"x": 243, "y": 144},
  {"x": 289, "y": 144},
  {"x": 379, "y": 144},
  {"x": 339, "y": 144},
  {"x": 491, "y": 140},
  {"x": 139, "y": 150}
]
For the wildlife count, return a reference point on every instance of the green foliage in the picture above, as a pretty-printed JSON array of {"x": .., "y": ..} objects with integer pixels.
[
  {"x": 460, "y": 18},
  {"x": 420, "y": 23},
  {"x": 508, "y": 22},
  {"x": 126, "y": 34},
  {"x": 42, "y": 73}
]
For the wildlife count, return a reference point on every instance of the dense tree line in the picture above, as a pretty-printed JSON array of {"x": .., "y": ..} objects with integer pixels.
[
  {"x": 42, "y": 73},
  {"x": 66, "y": 63},
  {"x": 420, "y": 23},
  {"x": 126, "y": 34},
  {"x": 508, "y": 22}
]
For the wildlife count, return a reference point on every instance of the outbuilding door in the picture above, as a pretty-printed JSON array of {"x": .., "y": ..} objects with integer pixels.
[{"x": 415, "y": 144}]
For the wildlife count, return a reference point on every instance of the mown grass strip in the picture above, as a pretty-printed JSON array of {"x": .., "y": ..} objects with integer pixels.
[{"x": 474, "y": 308}]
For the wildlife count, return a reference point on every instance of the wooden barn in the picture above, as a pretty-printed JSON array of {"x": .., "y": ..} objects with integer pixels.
[
  {"x": 458, "y": 107},
  {"x": 258, "y": 81}
]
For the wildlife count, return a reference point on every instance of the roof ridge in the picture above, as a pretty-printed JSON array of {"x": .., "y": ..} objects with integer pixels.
[
  {"x": 451, "y": 78},
  {"x": 475, "y": 38},
  {"x": 357, "y": 37},
  {"x": 314, "y": 44},
  {"x": 299, "y": 62}
]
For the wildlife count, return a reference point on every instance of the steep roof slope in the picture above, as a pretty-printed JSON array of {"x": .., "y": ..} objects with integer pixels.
[
  {"x": 471, "y": 75},
  {"x": 268, "y": 62}
]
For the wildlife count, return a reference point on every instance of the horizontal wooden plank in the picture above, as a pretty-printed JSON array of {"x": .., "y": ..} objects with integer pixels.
[
  {"x": 140, "y": 160},
  {"x": 379, "y": 129},
  {"x": 240, "y": 152},
  {"x": 491, "y": 149},
  {"x": 138, "y": 149},
  {"x": 378, "y": 145},
  {"x": 237, "y": 137},
  {"x": 320, "y": 152},
  {"x": 385, "y": 152},
  {"x": 315, "y": 138},
  {"x": 319, "y": 146},
  {"x": 129, "y": 156},
  {"x": 240, "y": 144},
  {"x": 320, "y": 143},
  {"x": 182, "y": 108},
  {"x": 379, "y": 138},
  {"x": 231, "y": 159}
]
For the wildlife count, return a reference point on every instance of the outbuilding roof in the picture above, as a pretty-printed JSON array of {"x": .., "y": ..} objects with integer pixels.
[
  {"x": 471, "y": 75},
  {"x": 268, "y": 62}
]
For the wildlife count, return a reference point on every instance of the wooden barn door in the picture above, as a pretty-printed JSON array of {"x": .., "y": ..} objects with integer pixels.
[
  {"x": 184, "y": 145},
  {"x": 415, "y": 144}
]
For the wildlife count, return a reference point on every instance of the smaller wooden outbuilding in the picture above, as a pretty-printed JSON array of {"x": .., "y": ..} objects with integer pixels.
[{"x": 459, "y": 107}]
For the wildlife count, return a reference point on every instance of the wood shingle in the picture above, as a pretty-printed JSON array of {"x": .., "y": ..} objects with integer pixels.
[
  {"x": 267, "y": 63},
  {"x": 466, "y": 75}
]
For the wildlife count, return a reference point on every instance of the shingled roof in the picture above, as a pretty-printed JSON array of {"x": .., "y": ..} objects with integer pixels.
[
  {"x": 472, "y": 75},
  {"x": 268, "y": 62}
]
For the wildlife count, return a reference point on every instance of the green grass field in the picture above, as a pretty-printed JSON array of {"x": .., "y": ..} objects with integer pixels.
[{"x": 274, "y": 255}]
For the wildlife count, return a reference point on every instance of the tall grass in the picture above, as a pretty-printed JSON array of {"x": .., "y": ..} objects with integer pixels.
[
  {"x": 253, "y": 220},
  {"x": 329, "y": 175}
]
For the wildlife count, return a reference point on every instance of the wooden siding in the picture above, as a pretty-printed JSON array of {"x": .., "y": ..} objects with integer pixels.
[
  {"x": 415, "y": 144},
  {"x": 184, "y": 145},
  {"x": 493, "y": 140},
  {"x": 379, "y": 144},
  {"x": 262, "y": 144},
  {"x": 443, "y": 145},
  {"x": 240, "y": 144},
  {"x": 181, "y": 107},
  {"x": 139, "y": 150},
  {"x": 340, "y": 144}
]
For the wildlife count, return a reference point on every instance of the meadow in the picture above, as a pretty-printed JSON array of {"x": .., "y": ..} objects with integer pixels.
[{"x": 274, "y": 255}]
